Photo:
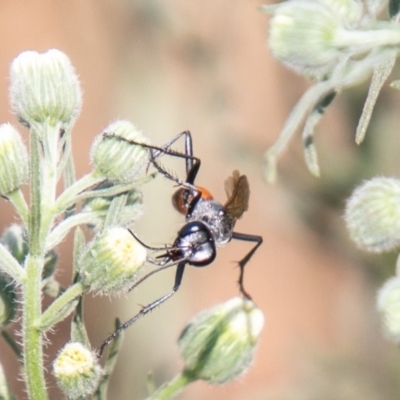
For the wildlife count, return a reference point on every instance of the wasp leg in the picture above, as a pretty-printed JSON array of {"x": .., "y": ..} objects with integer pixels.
[
  {"x": 242, "y": 263},
  {"x": 188, "y": 148},
  {"x": 144, "y": 310},
  {"x": 192, "y": 163}
]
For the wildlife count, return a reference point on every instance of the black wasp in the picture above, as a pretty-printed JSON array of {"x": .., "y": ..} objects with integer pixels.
[{"x": 209, "y": 224}]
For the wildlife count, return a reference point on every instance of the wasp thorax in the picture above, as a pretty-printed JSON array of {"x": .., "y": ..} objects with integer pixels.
[{"x": 214, "y": 216}]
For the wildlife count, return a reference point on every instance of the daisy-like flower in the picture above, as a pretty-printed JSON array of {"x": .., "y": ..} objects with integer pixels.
[{"x": 77, "y": 370}]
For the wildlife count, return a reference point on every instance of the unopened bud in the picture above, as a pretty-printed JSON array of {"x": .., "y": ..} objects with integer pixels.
[
  {"x": 117, "y": 154},
  {"x": 13, "y": 160},
  {"x": 373, "y": 215},
  {"x": 302, "y": 35},
  {"x": 388, "y": 304},
  {"x": 218, "y": 345},
  {"x": 44, "y": 88},
  {"x": 112, "y": 261}
]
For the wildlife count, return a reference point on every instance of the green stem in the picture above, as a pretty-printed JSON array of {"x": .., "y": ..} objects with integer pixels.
[
  {"x": 172, "y": 388},
  {"x": 54, "y": 312},
  {"x": 70, "y": 195},
  {"x": 50, "y": 137},
  {"x": 35, "y": 194},
  {"x": 78, "y": 191},
  {"x": 367, "y": 40},
  {"x": 31, "y": 335},
  {"x": 62, "y": 229}
]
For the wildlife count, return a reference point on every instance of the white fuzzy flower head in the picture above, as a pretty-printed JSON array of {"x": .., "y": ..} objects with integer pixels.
[
  {"x": 373, "y": 215},
  {"x": 388, "y": 304},
  {"x": 44, "y": 88},
  {"x": 112, "y": 261},
  {"x": 218, "y": 345},
  {"x": 302, "y": 36},
  {"x": 13, "y": 160},
  {"x": 117, "y": 155},
  {"x": 77, "y": 370}
]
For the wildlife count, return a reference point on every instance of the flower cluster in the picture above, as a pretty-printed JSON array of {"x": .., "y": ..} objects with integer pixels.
[
  {"x": 46, "y": 97},
  {"x": 337, "y": 44}
]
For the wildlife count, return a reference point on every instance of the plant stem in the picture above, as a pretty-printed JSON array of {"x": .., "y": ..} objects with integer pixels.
[
  {"x": 31, "y": 335},
  {"x": 70, "y": 195},
  {"x": 32, "y": 289},
  {"x": 35, "y": 195},
  {"x": 48, "y": 319},
  {"x": 64, "y": 227},
  {"x": 172, "y": 388}
]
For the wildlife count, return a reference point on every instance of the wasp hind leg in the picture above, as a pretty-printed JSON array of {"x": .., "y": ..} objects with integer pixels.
[
  {"x": 145, "y": 310},
  {"x": 242, "y": 263}
]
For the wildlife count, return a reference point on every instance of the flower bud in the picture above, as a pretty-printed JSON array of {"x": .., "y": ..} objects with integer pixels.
[
  {"x": 116, "y": 155},
  {"x": 8, "y": 300},
  {"x": 218, "y": 345},
  {"x": 302, "y": 37},
  {"x": 388, "y": 304},
  {"x": 112, "y": 261},
  {"x": 372, "y": 215},
  {"x": 77, "y": 371},
  {"x": 13, "y": 160},
  {"x": 44, "y": 87}
]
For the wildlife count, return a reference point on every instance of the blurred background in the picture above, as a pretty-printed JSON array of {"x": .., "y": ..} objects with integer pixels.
[{"x": 204, "y": 66}]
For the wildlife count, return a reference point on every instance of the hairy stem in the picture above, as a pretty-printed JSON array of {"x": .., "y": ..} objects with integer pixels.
[
  {"x": 172, "y": 388},
  {"x": 31, "y": 335}
]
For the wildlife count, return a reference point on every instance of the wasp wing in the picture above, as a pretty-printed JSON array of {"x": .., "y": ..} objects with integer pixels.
[{"x": 237, "y": 190}]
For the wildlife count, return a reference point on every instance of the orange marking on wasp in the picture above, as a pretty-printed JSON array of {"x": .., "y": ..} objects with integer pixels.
[{"x": 183, "y": 197}]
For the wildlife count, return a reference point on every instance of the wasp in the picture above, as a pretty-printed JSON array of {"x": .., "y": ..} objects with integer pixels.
[{"x": 208, "y": 223}]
